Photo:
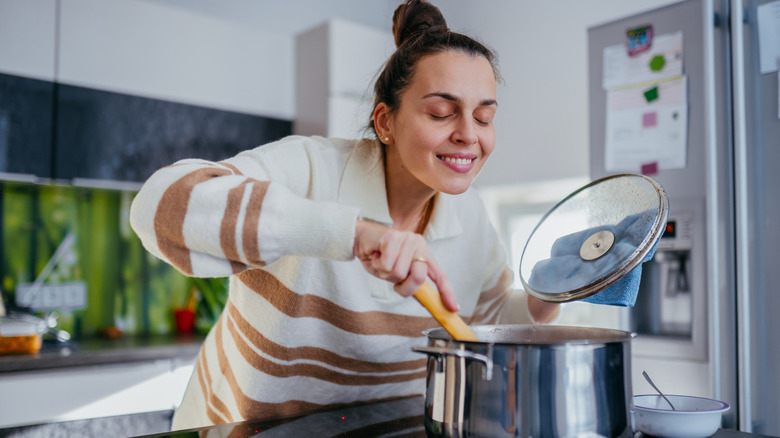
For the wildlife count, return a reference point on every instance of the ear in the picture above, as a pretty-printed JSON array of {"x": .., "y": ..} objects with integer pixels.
[{"x": 382, "y": 123}]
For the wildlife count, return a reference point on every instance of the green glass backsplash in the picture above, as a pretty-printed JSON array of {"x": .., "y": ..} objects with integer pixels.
[{"x": 126, "y": 287}]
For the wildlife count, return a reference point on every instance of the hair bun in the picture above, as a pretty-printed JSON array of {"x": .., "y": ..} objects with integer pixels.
[{"x": 415, "y": 17}]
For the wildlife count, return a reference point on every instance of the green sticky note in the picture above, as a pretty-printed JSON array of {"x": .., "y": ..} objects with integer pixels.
[
  {"x": 657, "y": 63},
  {"x": 651, "y": 94}
]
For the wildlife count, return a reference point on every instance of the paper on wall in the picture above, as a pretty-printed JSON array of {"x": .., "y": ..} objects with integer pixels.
[
  {"x": 642, "y": 130},
  {"x": 768, "y": 35},
  {"x": 621, "y": 70}
]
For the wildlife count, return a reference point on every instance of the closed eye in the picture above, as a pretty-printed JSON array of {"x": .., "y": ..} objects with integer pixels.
[
  {"x": 436, "y": 117},
  {"x": 484, "y": 115}
]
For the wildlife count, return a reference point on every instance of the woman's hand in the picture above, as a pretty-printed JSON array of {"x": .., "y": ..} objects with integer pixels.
[
  {"x": 541, "y": 311},
  {"x": 402, "y": 258}
]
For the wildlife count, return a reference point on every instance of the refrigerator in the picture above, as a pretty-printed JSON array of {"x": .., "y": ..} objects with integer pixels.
[{"x": 688, "y": 94}]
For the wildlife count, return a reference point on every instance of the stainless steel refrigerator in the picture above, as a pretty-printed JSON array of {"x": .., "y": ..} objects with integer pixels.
[{"x": 688, "y": 94}]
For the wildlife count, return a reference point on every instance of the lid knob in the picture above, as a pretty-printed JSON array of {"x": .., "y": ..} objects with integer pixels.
[{"x": 597, "y": 245}]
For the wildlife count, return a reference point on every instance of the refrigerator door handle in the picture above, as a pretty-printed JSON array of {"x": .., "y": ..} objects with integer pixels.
[
  {"x": 712, "y": 206},
  {"x": 742, "y": 212}
]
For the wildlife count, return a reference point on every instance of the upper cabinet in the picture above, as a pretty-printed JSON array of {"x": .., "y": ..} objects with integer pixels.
[
  {"x": 27, "y": 56},
  {"x": 96, "y": 90},
  {"x": 27, "y": 38},
  {"x": 163, "y": 52},
  {"x": 336, "y": 66},
  {"x": 103, "y": 135},
  {"x": 26, "y": 127}
]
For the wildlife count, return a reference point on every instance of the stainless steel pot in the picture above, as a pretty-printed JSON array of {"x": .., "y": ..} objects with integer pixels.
[{"x": 529, "y": 381}]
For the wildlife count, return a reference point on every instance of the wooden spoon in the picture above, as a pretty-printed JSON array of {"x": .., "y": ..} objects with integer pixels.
[{"x": 430, "y": 298}]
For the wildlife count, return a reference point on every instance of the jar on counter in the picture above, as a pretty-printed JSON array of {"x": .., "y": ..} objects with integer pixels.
[{"x": 21, "y": 334}]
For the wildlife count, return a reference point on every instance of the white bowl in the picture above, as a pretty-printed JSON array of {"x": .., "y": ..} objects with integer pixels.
[{"x": 694, "y": 417}]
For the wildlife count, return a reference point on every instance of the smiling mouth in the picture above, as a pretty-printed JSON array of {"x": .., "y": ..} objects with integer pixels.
[{"x": 460, "y": 161}]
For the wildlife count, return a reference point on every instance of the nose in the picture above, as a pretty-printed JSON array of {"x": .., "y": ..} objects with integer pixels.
[{"x": 465, "y": 133}]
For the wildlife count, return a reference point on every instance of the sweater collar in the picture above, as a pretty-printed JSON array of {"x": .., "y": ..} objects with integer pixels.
[{"x": 363, "y": 185}]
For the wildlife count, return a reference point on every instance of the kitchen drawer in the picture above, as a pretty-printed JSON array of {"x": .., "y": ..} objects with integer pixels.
[{"x": 91, "y": 392}]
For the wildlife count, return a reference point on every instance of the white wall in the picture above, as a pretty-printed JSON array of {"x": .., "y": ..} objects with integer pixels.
[{"x": 542, "y": 122}]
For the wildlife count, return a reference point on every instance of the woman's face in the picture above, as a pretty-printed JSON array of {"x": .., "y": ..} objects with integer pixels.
[{"x": 442, "y": 132}]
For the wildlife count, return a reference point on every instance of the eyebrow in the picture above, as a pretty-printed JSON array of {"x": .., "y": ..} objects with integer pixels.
[{"x": 456, "y": 99}]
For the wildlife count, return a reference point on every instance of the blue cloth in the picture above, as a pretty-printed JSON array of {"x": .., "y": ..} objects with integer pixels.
[
  {"x": 624, "y": 292},
  {"x": 565, "y": 270}
]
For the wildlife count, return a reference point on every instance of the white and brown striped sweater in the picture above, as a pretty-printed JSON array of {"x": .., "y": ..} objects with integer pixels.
[{"x": 305, "y": 327}]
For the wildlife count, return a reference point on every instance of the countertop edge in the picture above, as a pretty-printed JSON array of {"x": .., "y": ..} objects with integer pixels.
[{"x": 104, "y": 352}]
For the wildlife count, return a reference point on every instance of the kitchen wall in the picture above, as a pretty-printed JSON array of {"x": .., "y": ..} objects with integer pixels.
[{"x": 125, "y": 287}]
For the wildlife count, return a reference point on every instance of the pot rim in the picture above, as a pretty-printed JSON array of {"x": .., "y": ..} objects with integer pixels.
[{"x": 606, "y": 335}]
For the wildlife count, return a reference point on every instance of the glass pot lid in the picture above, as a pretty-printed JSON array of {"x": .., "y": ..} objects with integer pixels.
[{"x": 593, "y": 238}]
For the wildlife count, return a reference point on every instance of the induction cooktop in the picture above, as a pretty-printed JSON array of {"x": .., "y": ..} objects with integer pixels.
[{"x": 398, "y": 418}]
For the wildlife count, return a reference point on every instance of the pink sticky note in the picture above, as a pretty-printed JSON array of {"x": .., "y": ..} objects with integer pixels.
[
  {"x": 649, "y": 120},
  {"x": 650, "y": 169}
]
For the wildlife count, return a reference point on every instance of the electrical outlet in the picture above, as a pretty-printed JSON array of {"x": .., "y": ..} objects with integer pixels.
[{"x": 62, "y": 296}]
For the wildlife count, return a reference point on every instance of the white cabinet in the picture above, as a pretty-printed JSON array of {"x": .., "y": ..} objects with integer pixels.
[
  {"x": 27, "y": 38},
  {"x": 91, "y": 392},
  {"x": 336, "y": 66},
  {"x": 151, "y": 50},
  {"x": 163, "y": 52}
]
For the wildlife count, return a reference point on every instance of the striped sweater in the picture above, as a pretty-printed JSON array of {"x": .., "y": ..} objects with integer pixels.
[{"x": 305, "y": 326}]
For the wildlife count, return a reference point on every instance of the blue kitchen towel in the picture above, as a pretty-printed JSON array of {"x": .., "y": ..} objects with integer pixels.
[
  {"x": 565, "y": 270},
  {"x": 624, "y": 292}
]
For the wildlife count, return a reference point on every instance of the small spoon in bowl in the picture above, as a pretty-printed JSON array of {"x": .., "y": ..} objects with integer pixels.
[{"x": 657, "y": 390}]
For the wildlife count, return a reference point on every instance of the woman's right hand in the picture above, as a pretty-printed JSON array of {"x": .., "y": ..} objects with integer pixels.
[{"x": 402, "y": 258}]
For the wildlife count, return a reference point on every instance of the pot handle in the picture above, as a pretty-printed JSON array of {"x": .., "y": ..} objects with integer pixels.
[{"x": 465, "y": 354}]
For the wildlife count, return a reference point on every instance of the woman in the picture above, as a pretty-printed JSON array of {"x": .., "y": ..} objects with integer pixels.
[{"x": 298, "y": 223}]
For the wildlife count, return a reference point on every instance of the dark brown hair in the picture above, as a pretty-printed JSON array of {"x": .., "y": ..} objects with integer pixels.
[{"x": 419, "y": 30}]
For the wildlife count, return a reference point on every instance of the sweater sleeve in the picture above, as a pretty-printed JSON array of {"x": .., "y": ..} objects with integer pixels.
[{"x": 213, "y": 219}]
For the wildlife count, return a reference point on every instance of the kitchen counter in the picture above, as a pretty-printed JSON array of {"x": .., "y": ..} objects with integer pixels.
[
  {"x": 95, "y": 378},
  {"x": 100, "y": 351},
  {"x": 403, "y": 417}
]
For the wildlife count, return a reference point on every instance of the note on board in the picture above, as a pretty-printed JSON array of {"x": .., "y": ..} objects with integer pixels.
[
  {"x": 641, "y": 131},
  {"x": 663, "y": 60}
]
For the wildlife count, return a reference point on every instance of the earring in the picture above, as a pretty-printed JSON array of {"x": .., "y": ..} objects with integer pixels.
[{"x": 387, "y": 139}]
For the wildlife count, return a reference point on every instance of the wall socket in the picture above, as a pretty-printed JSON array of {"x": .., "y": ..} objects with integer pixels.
[{"x": 62, "y": 296}]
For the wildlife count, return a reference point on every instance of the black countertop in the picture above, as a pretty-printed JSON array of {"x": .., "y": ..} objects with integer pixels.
[
  {"x": 398, "y": 418},
  {"x": 100, "y": 351}
]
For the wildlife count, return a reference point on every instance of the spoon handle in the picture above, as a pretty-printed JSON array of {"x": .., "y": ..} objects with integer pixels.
[
  {"x": 451, "y": 321},
  {"x": 657, "y": 390}
]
